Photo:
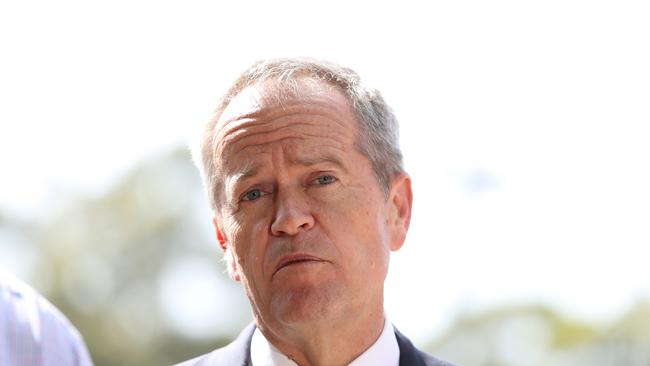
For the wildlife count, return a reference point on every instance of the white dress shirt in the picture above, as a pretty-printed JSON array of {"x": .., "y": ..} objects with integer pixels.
[
  {"x": 384, "y": 352},
  {"x": 33, "y": 332}
]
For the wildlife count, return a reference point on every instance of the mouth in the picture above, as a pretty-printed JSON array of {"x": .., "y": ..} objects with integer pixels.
[{"x": 295, "y": 260}]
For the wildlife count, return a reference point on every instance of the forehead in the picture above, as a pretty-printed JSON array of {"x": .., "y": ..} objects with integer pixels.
[
  {"x": 262, "y": 116},
  {"x": 272, "y": 97}
]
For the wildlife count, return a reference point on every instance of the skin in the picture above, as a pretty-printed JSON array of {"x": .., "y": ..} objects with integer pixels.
[{"x": 304, "y": 222}]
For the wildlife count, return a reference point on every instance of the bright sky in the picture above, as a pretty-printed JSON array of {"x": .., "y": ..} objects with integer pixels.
[{"x": 524, "y": 126}]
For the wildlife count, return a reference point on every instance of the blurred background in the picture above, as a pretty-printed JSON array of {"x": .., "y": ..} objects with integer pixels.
[{"x": 524, "y": 126}]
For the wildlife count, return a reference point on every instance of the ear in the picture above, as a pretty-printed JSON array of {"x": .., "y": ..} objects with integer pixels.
[
  {"x": 400, "y": 201},
  {"x": 220, "y": 237},
  {"x": 231, "y": 263}
]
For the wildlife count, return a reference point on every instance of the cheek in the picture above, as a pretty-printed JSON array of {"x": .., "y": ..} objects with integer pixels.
[
  {"x": 359, "y": 230},
  {"x": 358, "y": 216},
  {"x": 249, "y": 236},
  {"x": 232, "y": 232}
]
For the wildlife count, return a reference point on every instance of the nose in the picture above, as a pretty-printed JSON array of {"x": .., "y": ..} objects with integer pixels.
[{"x": 292, "y": 214}]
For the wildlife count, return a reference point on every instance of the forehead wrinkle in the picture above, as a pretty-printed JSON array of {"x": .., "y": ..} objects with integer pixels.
[
  {"x": 250, "y": 169},
  {"x": 263, "y": 112},
  {"x": 240, "y": 132},
  {"x": 257, "y": 119},
  {"x": 236, "y": 143},
  {"x": 340, "y": 145},
  {"x": 264, "y": 115}
]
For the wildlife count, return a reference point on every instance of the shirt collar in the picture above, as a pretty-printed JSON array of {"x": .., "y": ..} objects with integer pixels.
[{"x": 384, "y": 352}]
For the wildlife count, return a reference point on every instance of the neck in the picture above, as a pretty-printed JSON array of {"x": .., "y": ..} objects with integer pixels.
[{"x": 329, "y": 341}]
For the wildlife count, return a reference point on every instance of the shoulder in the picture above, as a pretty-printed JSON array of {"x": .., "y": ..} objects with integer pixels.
[
  {"x": 409, "y": 355},
  {"x": 43, "y": 329},
  {"x": 28, "y": 308},
  {"x": 234, "y": 354},
  {"x": 432, "y": 361}
]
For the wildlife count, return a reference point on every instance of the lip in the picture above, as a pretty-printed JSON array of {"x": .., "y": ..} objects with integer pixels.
[{"x": 295, "y": 258}]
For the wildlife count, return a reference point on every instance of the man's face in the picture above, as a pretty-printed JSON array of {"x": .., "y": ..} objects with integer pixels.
[{"x": 301, "y": 212}]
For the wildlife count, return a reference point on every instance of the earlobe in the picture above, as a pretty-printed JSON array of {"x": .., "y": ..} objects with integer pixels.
[
  {"x": 232, "y": 266},
  {"x": 401, "y": 201}
]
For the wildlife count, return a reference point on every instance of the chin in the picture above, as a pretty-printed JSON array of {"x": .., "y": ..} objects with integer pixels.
[{"x": 306, "y": 304}]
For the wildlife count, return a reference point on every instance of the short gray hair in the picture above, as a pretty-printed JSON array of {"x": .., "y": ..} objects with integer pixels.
[{"x": 378, "y": 130}]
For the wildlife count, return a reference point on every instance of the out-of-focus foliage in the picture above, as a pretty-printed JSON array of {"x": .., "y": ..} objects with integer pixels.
[
  {"x": 537, "y": 335},
  {"x": 104, "y": 261}
]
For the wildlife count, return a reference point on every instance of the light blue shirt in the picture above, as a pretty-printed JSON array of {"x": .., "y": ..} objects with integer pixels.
[{"x": 33, "y": 332}]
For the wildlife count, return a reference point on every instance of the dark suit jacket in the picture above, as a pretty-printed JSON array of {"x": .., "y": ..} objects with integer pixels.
[{"x": 238, "y": 352}]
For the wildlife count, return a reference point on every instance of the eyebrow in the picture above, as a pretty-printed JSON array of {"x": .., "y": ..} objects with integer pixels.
[
  {"x": 246, "y": 172},
  {"x": 309, "y": 161},
  {"x": 250, "y": 170}
]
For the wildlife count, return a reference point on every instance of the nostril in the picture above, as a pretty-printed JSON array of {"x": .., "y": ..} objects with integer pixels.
[
  {"x": 291, "y": 224},
  {"x": 292, "y": 214}
]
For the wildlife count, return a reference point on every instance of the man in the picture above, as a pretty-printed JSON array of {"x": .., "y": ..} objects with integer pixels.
[
  {"x": 33, "y": 332},
  {"x": 304, "y": 174}
]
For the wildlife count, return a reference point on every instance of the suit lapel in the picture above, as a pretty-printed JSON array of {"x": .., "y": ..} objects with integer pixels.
[{"x": 408, "y": 354}]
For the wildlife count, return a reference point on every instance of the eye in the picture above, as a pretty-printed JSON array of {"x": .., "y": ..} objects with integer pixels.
[
  {"x": 325, "y": 179},
  {"x": 252, "y": 195}
]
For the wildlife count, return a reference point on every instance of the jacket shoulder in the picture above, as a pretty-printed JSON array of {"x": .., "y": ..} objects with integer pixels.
[
  {"x": 411, "y": 356},
  {"x": 432, "y": 361}
]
